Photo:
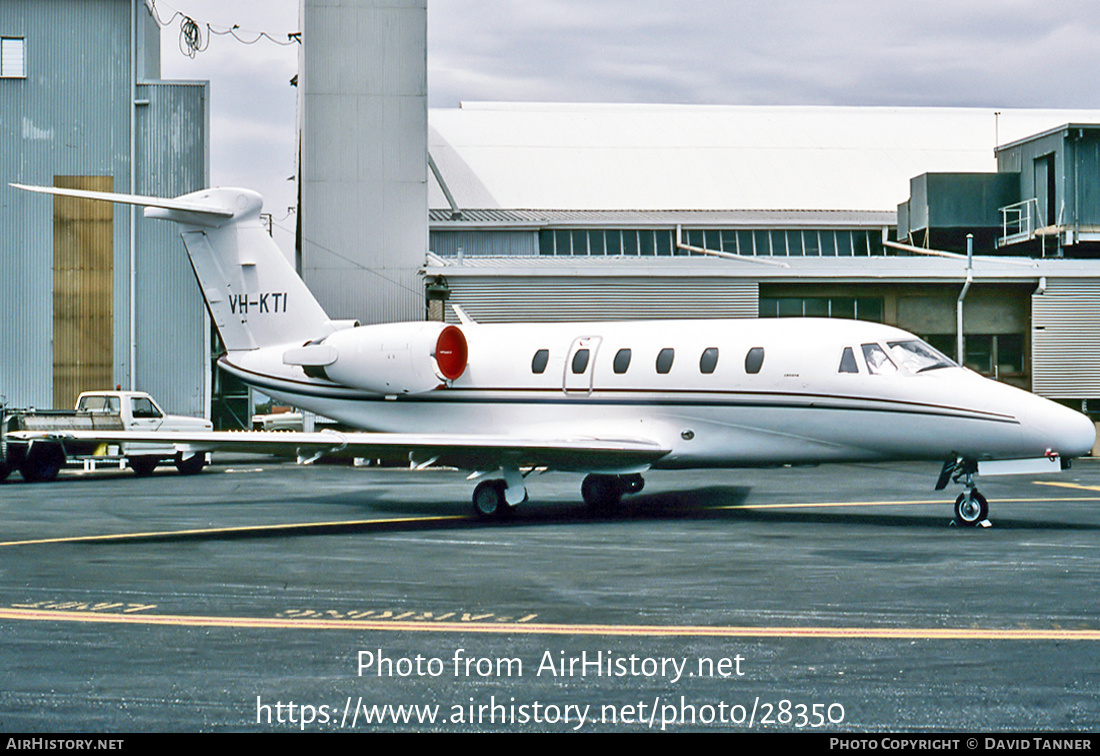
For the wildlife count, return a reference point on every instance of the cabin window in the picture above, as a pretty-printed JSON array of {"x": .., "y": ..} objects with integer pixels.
[
  {"x": 580, "y": 361},
  {"x": 664, "y": 360},
  {"x": 848, "y": 361},
  {"x": 878, "y": 362},
  {"x": 754, "y": 360},
  {"x": 93, "y": 403},
  {"x": 709, "y": 360},
  {"x": 141, "y": 407},
  {"x": 622, "y": 361},
  {"x": 538, "y": 363}
]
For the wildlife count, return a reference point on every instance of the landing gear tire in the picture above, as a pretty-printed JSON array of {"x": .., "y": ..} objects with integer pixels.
[
  {"x": 971, "y": 508},
  {"x": 143, "y": 466},
  {"x": 602, "y": 491},
  {"x": 632, "y": 484},
  {"x": 190, "y": 465},
  {"x": 489, "y": 499},
  {"x": 42, "y": 463}
]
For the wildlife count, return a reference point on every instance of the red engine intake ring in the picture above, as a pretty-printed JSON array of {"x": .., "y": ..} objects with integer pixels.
[{"x": 451, "y": 352}]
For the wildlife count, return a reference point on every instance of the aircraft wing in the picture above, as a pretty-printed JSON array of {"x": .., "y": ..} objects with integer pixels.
[{"x": 467, "y": 452}]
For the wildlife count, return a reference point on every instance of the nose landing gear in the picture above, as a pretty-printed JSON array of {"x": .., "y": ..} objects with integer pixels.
[{"x": 971, "y": 508}]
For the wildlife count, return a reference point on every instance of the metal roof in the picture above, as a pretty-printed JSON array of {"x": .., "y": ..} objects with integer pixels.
[
  {"x": 906, "y": 268},
  {"x": 488, "y": 218},
  {"x": 711, "y": 157}
]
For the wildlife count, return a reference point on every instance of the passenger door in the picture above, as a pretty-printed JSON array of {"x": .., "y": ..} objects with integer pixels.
[{"x": 580, "y": 365}]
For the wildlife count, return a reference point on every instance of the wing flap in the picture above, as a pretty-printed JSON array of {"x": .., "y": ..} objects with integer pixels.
[{"x": 468, "y": 452}]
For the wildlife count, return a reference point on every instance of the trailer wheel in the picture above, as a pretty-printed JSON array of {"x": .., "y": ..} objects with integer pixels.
[
  {"x": 42, "y": 463},
  {"x": 190, "y": 465}
]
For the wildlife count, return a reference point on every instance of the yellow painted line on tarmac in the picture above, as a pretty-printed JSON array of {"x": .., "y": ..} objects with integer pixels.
[
  {"x": 1076, "y": 486},
  {"x": 513, "y": 628},
  {"x": 306, "y": 526},
  {"x": 242, "y": 529},
  {"x": 913, "y": 502}
]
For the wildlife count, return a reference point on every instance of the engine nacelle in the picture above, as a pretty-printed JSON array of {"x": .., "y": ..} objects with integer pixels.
[{"x": 392, "y": 358}]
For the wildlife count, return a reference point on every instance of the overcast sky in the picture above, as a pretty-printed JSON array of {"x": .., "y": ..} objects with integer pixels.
[{"x": 964, "y": 53}]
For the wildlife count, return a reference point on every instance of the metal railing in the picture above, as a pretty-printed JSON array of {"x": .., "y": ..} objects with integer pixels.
[{"x": 1019, "y": 222}]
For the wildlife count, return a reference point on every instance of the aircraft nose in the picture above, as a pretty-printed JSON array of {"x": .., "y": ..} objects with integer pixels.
[
  {"x": 1071, "y": 434},
  {"x": 1079, "y": 435}
]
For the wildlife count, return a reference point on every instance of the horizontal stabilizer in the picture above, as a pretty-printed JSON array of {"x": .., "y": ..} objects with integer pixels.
[{"x": 190, "y": 203}]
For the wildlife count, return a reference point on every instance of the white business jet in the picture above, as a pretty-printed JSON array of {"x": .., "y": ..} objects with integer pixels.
[{"x": 611, "y": 400}]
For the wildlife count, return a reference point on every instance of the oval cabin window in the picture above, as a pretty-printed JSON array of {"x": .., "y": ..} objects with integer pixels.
[{"x": 754, "y": 360}]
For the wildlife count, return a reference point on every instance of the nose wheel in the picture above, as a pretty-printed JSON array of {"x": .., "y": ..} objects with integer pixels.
[{"x": 971, "y": 508}]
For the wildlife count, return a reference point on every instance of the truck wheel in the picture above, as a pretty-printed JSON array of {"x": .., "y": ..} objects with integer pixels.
[
  {"x": 190, "y": 465},
  {"x": 42, "y": 463},
  {"x": 5, "y": 471},
  {"x": 143, "y": 466}
]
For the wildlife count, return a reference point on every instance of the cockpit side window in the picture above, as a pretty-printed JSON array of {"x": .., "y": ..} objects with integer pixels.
[
  {"x": 878, "y": 362},
  {"x": 848, "y": 361}
]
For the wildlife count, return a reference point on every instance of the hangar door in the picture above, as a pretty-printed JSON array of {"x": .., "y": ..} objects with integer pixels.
[
  {"x": 502, "y": 299},
  {"x": 83, "y": 290},
  {"x": 1065, "y": 339}
]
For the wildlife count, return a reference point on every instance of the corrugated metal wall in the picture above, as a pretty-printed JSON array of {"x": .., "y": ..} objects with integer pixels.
[
  {"x": 363, "y": 114},
  {"x": 502, "y": 299},
  {"x": 70, "y": 116},
  {"x": 172, "y": 356},
  {"x": 1065, "y": 339}
]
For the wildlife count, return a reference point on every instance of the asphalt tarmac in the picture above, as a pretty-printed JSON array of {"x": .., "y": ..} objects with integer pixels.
[{"x": 269, "y": 597}]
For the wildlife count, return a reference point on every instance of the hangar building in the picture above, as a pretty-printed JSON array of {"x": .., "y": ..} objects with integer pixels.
[{"x": 100, "y": 296}]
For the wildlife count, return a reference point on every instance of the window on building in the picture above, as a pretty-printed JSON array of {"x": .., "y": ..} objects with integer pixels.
[
  {"x": 538, "y": 363},
  {"x": 13, "y": 58},
  {"x": 852, "y": 308},
  {"x": 994, "y": 354},
  {"x": 622, "y": 361},
  {"x": 754, "y": 360},
  {"x": 709, "y": 360},
  {"x": 664, "y": 360}
]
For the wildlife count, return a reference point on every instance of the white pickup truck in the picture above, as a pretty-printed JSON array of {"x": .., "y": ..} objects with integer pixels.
[{"x": 42, "y": 457}]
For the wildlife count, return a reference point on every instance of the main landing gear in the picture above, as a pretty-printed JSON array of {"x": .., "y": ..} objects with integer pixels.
[
  {"x": 498, "y": 499},
  {"x": 971, "y": 508},
  {"x": 606, "y": 491}
]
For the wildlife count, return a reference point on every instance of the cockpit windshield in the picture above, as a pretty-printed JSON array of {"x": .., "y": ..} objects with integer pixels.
[{"x": 916, "y": 356}]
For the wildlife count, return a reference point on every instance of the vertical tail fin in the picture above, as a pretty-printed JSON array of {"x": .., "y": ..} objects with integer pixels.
[{"x": 253, "y": 293}]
